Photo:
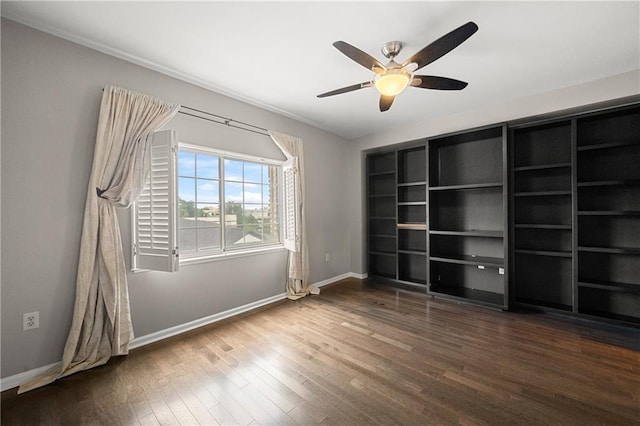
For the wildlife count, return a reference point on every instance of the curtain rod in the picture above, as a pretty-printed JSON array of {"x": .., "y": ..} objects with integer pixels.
[{"x": 229, "y": 122}]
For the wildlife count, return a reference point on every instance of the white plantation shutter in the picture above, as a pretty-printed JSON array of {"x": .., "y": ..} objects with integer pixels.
[
  {"x": 291, "y": 211},
  {"x": 155, "y": 213}
]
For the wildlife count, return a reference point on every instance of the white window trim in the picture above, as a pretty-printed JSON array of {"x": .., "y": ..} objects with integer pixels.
[
  {"x": 230, "y": 252},
  {"x": 234, "y": 155}
]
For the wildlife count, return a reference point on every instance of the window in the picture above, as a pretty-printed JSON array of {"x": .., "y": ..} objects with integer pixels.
[
  {"x": 225, "y": 202},
  {"x": 201, "y": 202}
]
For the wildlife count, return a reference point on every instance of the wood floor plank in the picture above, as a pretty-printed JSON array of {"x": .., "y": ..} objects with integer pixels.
[
  {"x": 124, "y": 412},
  {"x": 162, "y": 412},
  {"x": 358, "y": 355},
  {"x": 178, "y": 408}
]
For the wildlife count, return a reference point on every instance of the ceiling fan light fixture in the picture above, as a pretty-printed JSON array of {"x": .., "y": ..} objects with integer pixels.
[{"x": 393, "y": 82}]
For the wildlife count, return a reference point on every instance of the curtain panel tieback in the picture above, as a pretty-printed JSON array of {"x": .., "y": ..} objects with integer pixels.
[{"x": 100, "y": 192}]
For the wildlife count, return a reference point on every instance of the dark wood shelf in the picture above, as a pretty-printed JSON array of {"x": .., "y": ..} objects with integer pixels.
[
  {"x": 385, "y": 173},
  {"x": 417, "y": 283},
  {"x": 383, "y": 275},
  {"x": 413, "y": 226},
  {"x": 464, "y": 293},
  {"x": 535, "y": 303},
  {"x": 610, "y": 250},
  {"x": 382, "y": 253},
  {"x": 608, "y": 145},
  {"x": 405, "y": 184},
  {"x": 416, "y": 252},
  {"x": 382, "y": 217},
  {"x": 609, "y": 213},
  {"x": 392, "y": 195},
  {"x": 542, "y": 167},
  {"x": 540, "y": 193},
  {"x": 382, "y": 235},
  {"x": 469, "y": 233},
  {"x": 608, "y": 285},
  {"x": 544, "y": 253},
  {"x": 542, "y": 226},
  {"x": 618, "y": 182},
  {"x": 468, "y": 260},
  {"x": 467, "y": 186},
  {"x": 412, "y": 203}
]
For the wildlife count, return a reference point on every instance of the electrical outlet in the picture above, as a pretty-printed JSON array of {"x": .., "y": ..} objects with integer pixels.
[
  {"x": 326, "y": 257},
  {"x": 30, "y": 321}
]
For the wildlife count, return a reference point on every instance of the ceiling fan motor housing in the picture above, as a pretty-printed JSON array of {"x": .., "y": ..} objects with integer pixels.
[{"x": 391, "y": 49}]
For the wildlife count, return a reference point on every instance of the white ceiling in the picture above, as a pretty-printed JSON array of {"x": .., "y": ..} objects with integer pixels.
[{"x": 279, "y": 55}]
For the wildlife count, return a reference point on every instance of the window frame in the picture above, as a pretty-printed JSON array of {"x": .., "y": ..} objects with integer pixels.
[{"x": 224, "y": 251}]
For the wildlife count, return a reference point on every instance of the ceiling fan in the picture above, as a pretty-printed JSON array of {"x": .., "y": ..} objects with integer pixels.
[{"x": 393, "y": 78}]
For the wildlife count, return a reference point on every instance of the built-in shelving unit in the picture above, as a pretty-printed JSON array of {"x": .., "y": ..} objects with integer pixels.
[
  {"x": 608, "y": 212},
  {"x": 381, "y": 205},
  {"x": 542, "y": 220},
  {"x": 412, "y": 215},
  {"x": 546, "y": 218},
  {"x": 397, "y": 197},
  {"x": 468, "y": 213}
]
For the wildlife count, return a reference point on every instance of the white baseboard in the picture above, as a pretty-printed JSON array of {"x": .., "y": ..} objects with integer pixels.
[
  {"x": 183, "y": 328},
  {"x": 336, "y": 278},
  {"x": 17, "y": 379},
  {"x": 358, "y": 276}
]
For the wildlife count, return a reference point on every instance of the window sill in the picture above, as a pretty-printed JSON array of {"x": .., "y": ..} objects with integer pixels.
[
  {"x": 230, "y": 255},
  {"x": 223, "y": 256}
]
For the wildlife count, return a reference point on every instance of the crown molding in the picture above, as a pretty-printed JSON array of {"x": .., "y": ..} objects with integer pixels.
[{"x": 137, "y": 60}]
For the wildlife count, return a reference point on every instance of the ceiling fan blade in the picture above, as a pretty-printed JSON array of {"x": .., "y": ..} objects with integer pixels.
[
  {"x": 442, "y": 46},
  {"x": 346, "y": 89},
  {"x": 385, "y": 102},
  {"x": 364, "y": 59},
  {"x": 437, "y": 83}
]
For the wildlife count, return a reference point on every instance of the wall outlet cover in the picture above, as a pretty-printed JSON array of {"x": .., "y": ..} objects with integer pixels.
[{"x": 30, "y": 321}]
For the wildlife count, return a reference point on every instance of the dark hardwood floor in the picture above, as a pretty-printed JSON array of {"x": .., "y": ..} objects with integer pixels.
[{"x": 359, "y": 355}]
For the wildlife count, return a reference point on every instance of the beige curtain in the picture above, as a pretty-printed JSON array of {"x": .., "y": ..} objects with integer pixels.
[
  {"x": 298, "y": 262},
  {"x": 101, "y": 325}
]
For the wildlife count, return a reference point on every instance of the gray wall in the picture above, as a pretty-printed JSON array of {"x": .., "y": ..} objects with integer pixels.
[{"x": 51, "y": 91}]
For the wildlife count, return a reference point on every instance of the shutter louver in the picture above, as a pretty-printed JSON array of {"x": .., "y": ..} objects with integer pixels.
[
  {"x": 155, "y": 209},
  {"x": 291, "y": 210}
]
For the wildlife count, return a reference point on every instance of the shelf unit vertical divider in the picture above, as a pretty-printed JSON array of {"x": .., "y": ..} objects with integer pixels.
[
  {"x": 574, "y": 216},
  {"x": 395, "y": 185},
  {"x": 505, "y": 214},
  {"x": 428, "y": 216},
  {"x": 511, "y": 220}
]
